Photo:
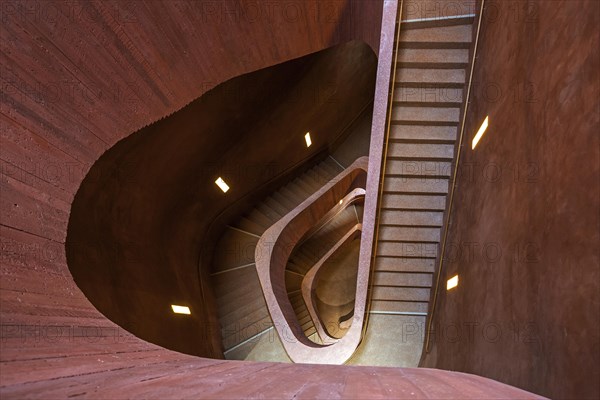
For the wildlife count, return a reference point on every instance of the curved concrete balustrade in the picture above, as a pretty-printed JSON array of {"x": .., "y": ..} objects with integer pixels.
[
  {"x": 272, "y": 253},
  {"x": 308, "y": 283}
]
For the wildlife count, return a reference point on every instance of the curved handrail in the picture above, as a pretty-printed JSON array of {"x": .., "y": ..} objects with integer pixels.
[
  {"x": 272, "y": 253},
  {"x": 308, "y": 283}
]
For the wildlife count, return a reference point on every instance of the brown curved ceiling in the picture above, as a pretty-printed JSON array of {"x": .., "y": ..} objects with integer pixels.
[{"x": 140, "y": 222}]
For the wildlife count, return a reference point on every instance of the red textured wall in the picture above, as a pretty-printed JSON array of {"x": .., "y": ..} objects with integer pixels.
[
  {"x": 76, "y": 78},
  {"x": 524, "y": 231}
]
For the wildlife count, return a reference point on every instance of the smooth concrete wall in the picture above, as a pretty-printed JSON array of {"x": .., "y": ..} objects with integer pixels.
[{"x": 524, "y": 233}]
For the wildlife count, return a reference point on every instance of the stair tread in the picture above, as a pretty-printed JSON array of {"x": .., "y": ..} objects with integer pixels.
[
  {"x": 409, "y": 234},
  {"x": 400, "y": 294},
  {"x": 430, "y": 75},
  {"x": 400, "y": 264},
  {"x": 407, "y": 249},
  {"x": 418, "y": 168},
  {"x": 272, "y": 214},
  {"x": 423, "y": 133},
  {"x": 423, "y": 95},
  {"x": 250, "y": 226},
  {"x": 398, "y": 306},
  {"x": 420, "y": 113},
  {"x": 241, "y": 335},
  {"x": 403, "y": 184},
  {"x": 273, "y": 203},
  {"x": 233, "y": 249},
  {"x": 421, "y": 150},
  {"x": 433, "y": 56},
  {"x": 413, "y": 202},
  {"x": 411, "y": 218},
  {"x": 455, "y": 34},
  {"x": 413, "y": 279},
  {"x": 264, "y": 221}
]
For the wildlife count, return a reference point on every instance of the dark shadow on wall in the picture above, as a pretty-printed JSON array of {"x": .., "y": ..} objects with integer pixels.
[{"x": 138, "y": 225}]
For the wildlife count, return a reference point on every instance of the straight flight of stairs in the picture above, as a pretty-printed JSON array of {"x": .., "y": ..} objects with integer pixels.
[
  {"x": 241, "y": 307},
  {"x": 432, "y": 61}
]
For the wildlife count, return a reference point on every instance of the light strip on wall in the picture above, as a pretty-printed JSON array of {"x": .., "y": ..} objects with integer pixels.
[
  {"x": 308, "y": 140},
  {"x": 480, "y": 133},
  {"x": 221, "y": 183},
  {"x": 452, "y": 282},
  {"x": 180, "y": 309}
]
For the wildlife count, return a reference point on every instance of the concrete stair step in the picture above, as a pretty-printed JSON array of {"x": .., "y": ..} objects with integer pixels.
[
  {"x": 437, "y": 58},
  {"x": 417, "y": 14},
  {"x": 296, "y": 300},
  {"x": 279, "y": 207},
  {"x": 287, "y": 197},
  {"x": 264, "y": 221},
  {"x": 293, "y": 281},
  {"x": 246, "y": 333},
  {"x": 407, "y": 249},
  {"x": 409, "y": 234},
  {"x": 310, "y": 331},
  {"x": 413, "y": 202},
  {"x": 402, "y": 279},
  {"x": 297, "y": 190},
  {"x": 412, "y": 218},
  {"x": 321, "y": 174},
  {"x": 245, "y": 315},
  {"x": 424, "y": 115},
  {"x": 269, "y": 212},
  {"x": 426, "y": 151},
  {"x": 430, "y": 75},
  {"x": 332, "y": 167},
  {"x": 443, "y": 37},
  {"x": 433, "y": 185},
  {"x": 307, "y": 186},
  {"x": 382, "y": 306},
  {"x": 423, "y": 133},
  {"x": 252, "y": 227},
  {"x": 418, "y": 168},
  {"x": 298, "y": 266},
  {"x": 306, "y": 324},
  {"x": 236, "y": 289},
  {"x": 420, "y": 96},
  {"x": 399, "y": 264},
  {"x": 314, "y": 178},
  {"x": 400, "y": 294},
  {"x": 301, "y": 313},
  {"x": 240, "y": 320},
  {"x": 233, "y": 249}
]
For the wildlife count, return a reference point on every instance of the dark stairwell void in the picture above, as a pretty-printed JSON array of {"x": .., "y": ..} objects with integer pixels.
[{"x": 147, "y": 217}]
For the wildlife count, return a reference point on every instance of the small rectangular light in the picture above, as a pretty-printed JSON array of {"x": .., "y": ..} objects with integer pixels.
[
  {"x": 480, "y": 133},
  {"x": 221, "y": 183},
  {"x": 308, "y": 140},
  {"x": 452, "y": 282},
  {"x": 181, "y": 309}
]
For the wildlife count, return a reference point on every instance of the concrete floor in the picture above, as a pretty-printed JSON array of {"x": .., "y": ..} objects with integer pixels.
[
  {"x": 391, "y": 341},
  {"x": 266, "y": 347}
]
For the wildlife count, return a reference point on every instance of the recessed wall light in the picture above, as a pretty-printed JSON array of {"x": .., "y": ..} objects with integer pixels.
[
  {"x": 180, "y": 309},
  {"x": 308, "y": 140},
  {"x": 480, "y": 133},
  {"x": 341, "y": 201},
  {"x": 452, "y": 282},
  {"x": 221, "y": 183}
]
